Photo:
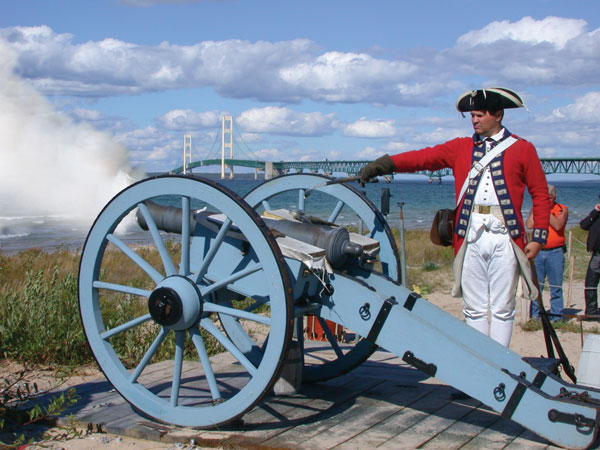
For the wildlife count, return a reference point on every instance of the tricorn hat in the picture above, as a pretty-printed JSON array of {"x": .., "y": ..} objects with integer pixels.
[{"x": 489, "y": 99}]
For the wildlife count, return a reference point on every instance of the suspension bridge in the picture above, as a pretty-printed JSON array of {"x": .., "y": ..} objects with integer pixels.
[{"x": 270, "y": 169}]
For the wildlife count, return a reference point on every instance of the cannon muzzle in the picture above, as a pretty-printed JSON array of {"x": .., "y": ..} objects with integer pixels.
[{"x": 339, "y": 249}]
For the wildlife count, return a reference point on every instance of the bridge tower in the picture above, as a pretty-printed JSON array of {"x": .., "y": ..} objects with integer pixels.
[
  {"x": 226, "y": 144},
  {"x": 187, "y": 152}
]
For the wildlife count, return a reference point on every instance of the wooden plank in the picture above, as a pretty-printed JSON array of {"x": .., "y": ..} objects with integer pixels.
[
  {"x": 320, "y": 417},
  {"x": 275, "y": 410},
  {"x": 498, "y": 435},
  {"x": 428, "y": 428},
  {"x": 371, "y": 408},
  {"x": 100, "y": 417},
  {"x": 528, "y": 440},
  {"x": 407, "y": 417},
  {"x": 464, "y": 430},
  {"x": 414, "y": 409}
]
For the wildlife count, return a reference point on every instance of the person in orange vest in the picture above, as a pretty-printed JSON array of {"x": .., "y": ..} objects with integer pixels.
[{"x": 550, "y": 262}]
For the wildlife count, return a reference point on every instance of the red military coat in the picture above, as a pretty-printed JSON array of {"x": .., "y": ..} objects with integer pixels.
[{"x": 513, "y": 170}]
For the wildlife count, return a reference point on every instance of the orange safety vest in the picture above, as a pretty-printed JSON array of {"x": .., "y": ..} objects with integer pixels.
[{"x": 555, "y": 238}]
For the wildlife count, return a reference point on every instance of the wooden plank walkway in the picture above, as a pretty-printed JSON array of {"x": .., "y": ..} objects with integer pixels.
[{"x": 383, "y": 404}]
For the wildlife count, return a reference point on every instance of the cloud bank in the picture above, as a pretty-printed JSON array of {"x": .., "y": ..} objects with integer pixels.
[{"x": 548, "y": 60}]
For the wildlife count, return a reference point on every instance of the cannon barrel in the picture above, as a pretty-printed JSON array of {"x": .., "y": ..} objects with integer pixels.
[
  {"x": 167, "y": 218},
  {"x": 334, "y": 240}
]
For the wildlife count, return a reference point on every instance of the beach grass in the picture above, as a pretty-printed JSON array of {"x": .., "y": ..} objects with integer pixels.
[{"x": 40, "y": 314}]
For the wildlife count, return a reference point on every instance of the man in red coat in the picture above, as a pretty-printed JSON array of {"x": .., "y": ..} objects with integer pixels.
[{"x": 489, "y": 241}]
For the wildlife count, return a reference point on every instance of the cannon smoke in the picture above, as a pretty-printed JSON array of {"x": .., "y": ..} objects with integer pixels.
[{"x": 50, "y": 164}]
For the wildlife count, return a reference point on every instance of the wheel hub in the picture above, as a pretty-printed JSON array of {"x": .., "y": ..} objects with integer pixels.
[
  {"x": 176, "y": 303},
  {"x": 165, "y": 306}
]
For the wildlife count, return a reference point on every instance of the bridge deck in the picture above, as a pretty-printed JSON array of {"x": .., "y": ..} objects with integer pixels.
[
  {"x": 581, "y": 166},
  {"x": 384, "y": 403}
]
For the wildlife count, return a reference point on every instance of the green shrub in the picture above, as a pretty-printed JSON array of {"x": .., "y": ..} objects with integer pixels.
[{"x": 40, "y": 321}]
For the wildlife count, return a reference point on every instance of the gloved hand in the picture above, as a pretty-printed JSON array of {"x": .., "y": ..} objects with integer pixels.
[{"x": 381, "y": 166}]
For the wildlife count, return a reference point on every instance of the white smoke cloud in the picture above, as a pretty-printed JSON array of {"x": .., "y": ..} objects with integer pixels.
[{"x": 49, "y": 163}]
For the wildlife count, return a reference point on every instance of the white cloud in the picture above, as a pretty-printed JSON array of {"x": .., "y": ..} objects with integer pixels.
[
  {"x": 583, "y": 110},
  {"x": 284, "y": 121},
  {"x": 370, "y": 128},
  {"x": 526, "y": 56},
  {"x": 553, "y": 50},
  {"x": 235, "y": 68},
  {"x": 337, "y": 76},
  {"x": 554, "y": 30},
  {"x": 159, "y": 153},
  {"x": 394, "y": 147},
  {"x": 369, "y": 153},
  {"x": 550, "y": 51},
  {"x": 270, "y": 154},
  {"x": 334, "y": 155},
  {"x": 185, "y": 120},
  {"x": 89, "y": 115},
  {"x": 278, "y": 154}
]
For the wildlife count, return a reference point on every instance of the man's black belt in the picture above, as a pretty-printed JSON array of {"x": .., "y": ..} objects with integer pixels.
[{"x": 553, "y": 248}]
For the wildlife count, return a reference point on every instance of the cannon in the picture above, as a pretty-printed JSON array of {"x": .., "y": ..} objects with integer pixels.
[{"x": 226, "y": 294}]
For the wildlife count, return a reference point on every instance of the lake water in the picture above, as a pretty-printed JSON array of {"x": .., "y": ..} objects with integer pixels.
[{"x": 21, "y": 229}]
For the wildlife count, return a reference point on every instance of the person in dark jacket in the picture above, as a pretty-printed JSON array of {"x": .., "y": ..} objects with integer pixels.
[{"x": 592, "y": 224}]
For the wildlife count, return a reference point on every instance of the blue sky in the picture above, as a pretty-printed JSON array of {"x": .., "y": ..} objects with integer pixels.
[{"x": 302, "y": 79}]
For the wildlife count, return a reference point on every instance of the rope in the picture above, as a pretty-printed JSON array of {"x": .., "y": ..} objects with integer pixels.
[{"x": 577, "y": 240}]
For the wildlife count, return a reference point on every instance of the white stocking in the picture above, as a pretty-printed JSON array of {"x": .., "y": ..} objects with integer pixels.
[
  {"x": 501, "y": 331},
  {"x": 480, "y": 325}
]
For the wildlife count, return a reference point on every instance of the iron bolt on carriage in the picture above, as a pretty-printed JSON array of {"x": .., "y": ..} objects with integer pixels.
[{"x": 243, "y": 281}]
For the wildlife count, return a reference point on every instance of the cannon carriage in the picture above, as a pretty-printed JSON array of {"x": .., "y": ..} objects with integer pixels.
[{"x": 246, "y": 279}]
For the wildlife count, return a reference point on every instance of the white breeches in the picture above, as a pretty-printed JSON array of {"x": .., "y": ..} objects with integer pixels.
[{"x": 489, "y": 280}]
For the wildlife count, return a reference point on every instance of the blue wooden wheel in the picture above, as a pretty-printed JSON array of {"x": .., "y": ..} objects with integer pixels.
[
  {"x": 149, "y": 303},
  {"x": 350, "y": 201}
]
